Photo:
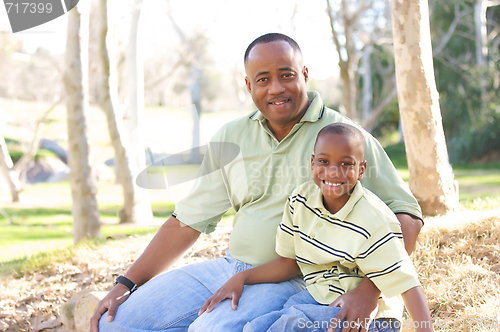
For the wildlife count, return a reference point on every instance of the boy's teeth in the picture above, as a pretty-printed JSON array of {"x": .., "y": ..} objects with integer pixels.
[{"x": 333, "y": 184}]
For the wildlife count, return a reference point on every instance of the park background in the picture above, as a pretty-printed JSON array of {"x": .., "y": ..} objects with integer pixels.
[{"x": 191, "y": 55}]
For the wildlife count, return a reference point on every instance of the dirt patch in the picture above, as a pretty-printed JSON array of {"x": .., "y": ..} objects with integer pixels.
[{"x": 31, "y": 302}]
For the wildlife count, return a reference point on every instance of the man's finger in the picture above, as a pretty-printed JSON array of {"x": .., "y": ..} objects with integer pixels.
[
  {"x": 111, "y": 310},
  {"x": 94, "y": 321}
]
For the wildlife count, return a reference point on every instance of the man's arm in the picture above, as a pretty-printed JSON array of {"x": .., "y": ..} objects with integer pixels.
[
  {"x": 410, "y": 226},
  {"x": 171, "y": 241},
  {"x": 359, "y": 303}
]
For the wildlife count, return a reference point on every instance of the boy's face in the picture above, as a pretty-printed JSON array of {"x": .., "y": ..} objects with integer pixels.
[{"x": 337, "y": 164}]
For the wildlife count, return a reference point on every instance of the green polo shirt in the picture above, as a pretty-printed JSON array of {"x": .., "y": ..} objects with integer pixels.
[
  {"x": 247, "y": 168},
  {"x": 335, "y": 251}
]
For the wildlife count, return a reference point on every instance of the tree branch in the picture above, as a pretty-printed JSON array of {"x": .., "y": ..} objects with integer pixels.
[
  {"x": 334, "y": 34},
  {"x": 451, "y": 29},
  {"x": 35, "y": 142}
]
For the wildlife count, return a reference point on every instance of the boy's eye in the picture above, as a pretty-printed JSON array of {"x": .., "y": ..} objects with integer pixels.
[
  {"x": 345, "y": 163},
  {"x": 323, "y": 161}
]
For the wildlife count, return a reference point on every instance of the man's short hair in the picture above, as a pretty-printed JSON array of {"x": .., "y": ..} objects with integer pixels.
[
  {"x": 271, "y": 37},
  {"x": 342, "y": 129}
]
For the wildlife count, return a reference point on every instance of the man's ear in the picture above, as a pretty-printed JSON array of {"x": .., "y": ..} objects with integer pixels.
[
  {"x": 247, "y": 83},
  {"x": 362, "y": 170},
  {"x": 305, "y": 72}
]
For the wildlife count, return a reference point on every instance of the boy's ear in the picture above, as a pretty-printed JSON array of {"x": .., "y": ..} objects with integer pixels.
[
  {"x": 362, "y": 169},
  {"x": 312, "y": 161}
]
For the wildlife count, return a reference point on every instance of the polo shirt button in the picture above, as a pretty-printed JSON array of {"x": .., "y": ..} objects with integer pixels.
[
  {"x": 312, "y": 236},
  {"x": 325, "y": 215},
  {"x": 319, "y": 224}
]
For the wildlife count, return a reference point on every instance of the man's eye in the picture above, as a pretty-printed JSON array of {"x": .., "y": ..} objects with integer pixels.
[
  {"x": 263, "y": 79},
  {"x": 288, "y": 75}
]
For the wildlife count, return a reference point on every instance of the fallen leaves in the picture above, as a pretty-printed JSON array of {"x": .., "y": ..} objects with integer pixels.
[{"x": 31, "y": 303}]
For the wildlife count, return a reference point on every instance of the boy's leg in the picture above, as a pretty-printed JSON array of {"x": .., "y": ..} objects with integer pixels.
[
  {"x": 300, "y": 313},
  {"x": 256, "y": 300},
  {"x": 171, "y": 301},
  {"x": 385, "y": 325}
]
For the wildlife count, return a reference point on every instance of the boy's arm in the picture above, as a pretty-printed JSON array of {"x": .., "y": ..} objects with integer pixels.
[
  {"x": 416, "y": 304},
  {"x": 278, "y": 270}
]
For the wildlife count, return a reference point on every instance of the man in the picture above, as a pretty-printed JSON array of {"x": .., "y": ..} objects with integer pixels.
[{"x": 274, "y": 145}]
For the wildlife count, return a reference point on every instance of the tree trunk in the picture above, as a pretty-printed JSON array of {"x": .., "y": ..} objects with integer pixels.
[
  {"x": 367, "y": 81},
  {"x": 109, "y": 102},
  {"x": 10, "y": 175},
  {"x": 82, "y": 178},
  {"x": 480, "y": 8},
  {"x": 431, "y": 175},
  {"x": 135, "y": 111},
  {"x": 195, "y": 90}
]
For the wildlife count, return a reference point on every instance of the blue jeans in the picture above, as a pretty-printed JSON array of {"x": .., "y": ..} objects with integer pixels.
[
  {"x": 171, "y": 301},
  {"x": 302, "y": 313}
]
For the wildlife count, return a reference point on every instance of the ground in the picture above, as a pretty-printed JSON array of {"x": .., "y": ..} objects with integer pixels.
[{"x": 457, "y": 258}]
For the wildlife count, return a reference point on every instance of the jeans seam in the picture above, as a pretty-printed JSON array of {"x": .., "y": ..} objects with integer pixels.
[{"x": 173, "y": 322}]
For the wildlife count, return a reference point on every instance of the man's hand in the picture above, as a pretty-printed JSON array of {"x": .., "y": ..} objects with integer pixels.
[
  {"x": 232, "y": 289},
  {"x": 109, "y": 303},
  {"x": 356, "y": 308}
]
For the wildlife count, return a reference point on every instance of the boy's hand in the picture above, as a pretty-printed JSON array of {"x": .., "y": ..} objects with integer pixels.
[{"x": 232, "y": 289}]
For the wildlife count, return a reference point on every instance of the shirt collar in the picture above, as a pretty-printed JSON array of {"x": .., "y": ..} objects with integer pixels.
[
  {"x": 313, "y": 113},
  {"x": 316, "y": 200}
]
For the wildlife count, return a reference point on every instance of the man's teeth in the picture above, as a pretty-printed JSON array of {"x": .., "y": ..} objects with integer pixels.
[
  {"x": 280, "y": 103},
  {"x": 332, "y": 184}
]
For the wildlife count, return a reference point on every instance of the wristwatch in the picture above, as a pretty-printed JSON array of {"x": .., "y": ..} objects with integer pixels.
[{"x": 127, "y": 282}]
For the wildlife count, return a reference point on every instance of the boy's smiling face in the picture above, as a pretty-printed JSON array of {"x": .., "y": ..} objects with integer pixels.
[{"x": 337, "y": 165}]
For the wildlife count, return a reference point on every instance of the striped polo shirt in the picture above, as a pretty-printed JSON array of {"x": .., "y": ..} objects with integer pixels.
[{"x": 335, "y": 251}]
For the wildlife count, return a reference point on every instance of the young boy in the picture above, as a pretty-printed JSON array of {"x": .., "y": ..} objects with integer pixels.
[{"x": 336, "y": 232}]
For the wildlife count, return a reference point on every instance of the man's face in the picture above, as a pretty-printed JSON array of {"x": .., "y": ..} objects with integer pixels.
[
  {"x": 337, "y": 165},
  {"x": 276, "y": 79}
]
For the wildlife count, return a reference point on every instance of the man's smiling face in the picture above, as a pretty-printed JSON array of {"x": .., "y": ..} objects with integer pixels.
[{"x": 276, "y": 79}]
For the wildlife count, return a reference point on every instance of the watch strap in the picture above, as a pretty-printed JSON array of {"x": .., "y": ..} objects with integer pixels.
[{"x": 127, "y": 282}]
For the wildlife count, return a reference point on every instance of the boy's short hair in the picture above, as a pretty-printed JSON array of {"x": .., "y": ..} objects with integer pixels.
[{"x": 342, "y": 129}]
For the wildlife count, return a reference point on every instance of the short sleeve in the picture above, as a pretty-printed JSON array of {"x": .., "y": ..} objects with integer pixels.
[
  {"x": 382, "y": 178},
  {"x": 384, "y": 260},
  {"x": 208, "y": 199},
  {"x": 285, "y": 235}
]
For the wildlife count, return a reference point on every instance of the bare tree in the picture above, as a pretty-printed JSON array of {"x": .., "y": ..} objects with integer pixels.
[
  {"x": 6, "y": 166},
  {"x": 135, "y": 110},
  {"x": 431, "y": 175},
  {"x": 126, "y": 168},
  {"x": 194, "y": 49},
  {"x": 82, "y": 178},
  {"x": 353, "y": 37}
]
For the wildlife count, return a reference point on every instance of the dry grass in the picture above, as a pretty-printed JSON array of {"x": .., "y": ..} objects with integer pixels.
[
  {"x": 458, "y": 261},
  {"x": 457, "y": 258}
]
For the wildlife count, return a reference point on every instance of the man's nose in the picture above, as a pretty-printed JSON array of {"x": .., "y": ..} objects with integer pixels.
[{"x": 276, "y": 87}]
